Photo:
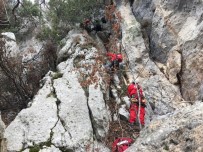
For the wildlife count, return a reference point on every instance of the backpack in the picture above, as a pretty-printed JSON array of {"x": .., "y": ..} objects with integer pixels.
[
  {"x": 119, "y": 57},
  {"x": 121, "y": 144}
]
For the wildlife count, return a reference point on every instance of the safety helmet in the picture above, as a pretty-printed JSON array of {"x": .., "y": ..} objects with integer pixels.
[{"x": 119, "y": 57}]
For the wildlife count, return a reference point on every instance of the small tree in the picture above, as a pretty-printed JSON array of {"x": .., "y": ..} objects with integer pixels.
[
  {"x": 72, "y": 11},
  {"x": 12, "y": 69},
  {"x": 64, "y": 14}
]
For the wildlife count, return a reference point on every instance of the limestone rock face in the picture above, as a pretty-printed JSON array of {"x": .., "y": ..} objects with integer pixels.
[
  {"x": 142, "y": 69},
  {"x": 12, "y": 49},
  {"x": 34, "y": 125},
  {"x": 123, "y": 113},
  {"x": 9, "y": 36},
  {"x": 180, "y": 131},
  {"x": 99, "y": 112},
  {"x": 144, "y": 10},
  {"x": 2, "y": 140},
  {"x": 175, "y": 23},
  {"x": 65, "y": 114},
  {"x": 2, "y": 127},
  {"x": 173, "y": 66},
  {"x": 74, "y": 127}
]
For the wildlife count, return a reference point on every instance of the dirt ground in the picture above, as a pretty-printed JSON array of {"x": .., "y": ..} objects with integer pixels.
[{"x": 119, "y": 128}]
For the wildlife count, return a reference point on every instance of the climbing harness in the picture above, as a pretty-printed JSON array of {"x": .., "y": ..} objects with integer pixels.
[{"x": 134, "y": 79}]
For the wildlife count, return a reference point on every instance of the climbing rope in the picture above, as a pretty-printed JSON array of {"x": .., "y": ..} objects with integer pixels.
[
  {"x": 139, "y": 102},
  {"x": 134, "y": 79}
]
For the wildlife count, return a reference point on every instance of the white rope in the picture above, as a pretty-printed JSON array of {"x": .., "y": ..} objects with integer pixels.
[
  {"x": 138, "y": 115},
  {"x": 134, "y": 79}
]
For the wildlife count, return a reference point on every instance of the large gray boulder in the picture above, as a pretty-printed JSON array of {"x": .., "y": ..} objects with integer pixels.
[
  {"x": 74, "y": 129},
  {"x": 34, "y": 125},
  {"x": 99, "y": 111},
  {"x": 180, "y": 131}
]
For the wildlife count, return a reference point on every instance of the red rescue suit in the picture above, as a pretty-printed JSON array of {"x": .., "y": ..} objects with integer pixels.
[
  {"x": 121, "y": 144},
  {"x": 86, "y": 22},
  {"x": 114, "y": 57},
  {"x": 134, "y": 107}
]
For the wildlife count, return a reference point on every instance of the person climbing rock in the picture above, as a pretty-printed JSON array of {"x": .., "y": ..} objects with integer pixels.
[
  {"x": 114, "y": 60},
  {"x": 97, "y": 26},
  {"x": 121, "y": 144},
  {"x": 87, "y": 25},
  {"x": 135, "y": 93},
  {"x": 103, "y": 19}
]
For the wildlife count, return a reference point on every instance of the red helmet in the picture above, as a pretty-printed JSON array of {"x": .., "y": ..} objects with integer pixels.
[{"x": 119, "y": 57}]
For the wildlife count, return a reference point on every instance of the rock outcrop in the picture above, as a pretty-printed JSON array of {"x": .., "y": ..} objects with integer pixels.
[
  {"x": 34, "y": 125},
  {"x": 157, "y": 87},
  {"x": 161, "y": 41},
  {"x": 98, "y": 109},
  {"x": 12, "y": 49},
  {"x": 180, "y": 131},
  {"x": 175, "y": 25},
  {"x": 64, "y": 115}
]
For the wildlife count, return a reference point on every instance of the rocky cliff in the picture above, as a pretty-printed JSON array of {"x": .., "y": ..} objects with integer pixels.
[
  {"x": 80, "y": 107},
  {"x": 64, "y": 115},
  {"x": 180, "y": 131},
  {"x": 174, "y": 29}
]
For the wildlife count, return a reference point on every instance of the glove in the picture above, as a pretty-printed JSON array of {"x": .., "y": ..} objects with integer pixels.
[
  {"x": 143, "y": 103},
  {"x": 143, "y": 100},
  {"x": 133, "y": 100}
]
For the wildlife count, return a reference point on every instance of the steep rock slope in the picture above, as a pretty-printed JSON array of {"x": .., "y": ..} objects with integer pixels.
[
  {"x": 69, "y": 112},
  {"x": 180, "y": 129},
  {"x": 175, "y": 32},
  {"x": 157, "y": 87},
  {"x": 61, "y": 116}
]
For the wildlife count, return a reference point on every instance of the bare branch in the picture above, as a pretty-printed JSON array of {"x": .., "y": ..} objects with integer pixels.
[{"x": 14, "y": 8}]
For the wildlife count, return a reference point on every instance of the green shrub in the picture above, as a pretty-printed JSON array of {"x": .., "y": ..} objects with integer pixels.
[
  {"x": 35, "y": 149},
  {"x": 72, "y": 11},
  {"x": 29, "y": 9},
  {"x": 64, "y": 14},
  {"x": 166, "y": 147}
]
